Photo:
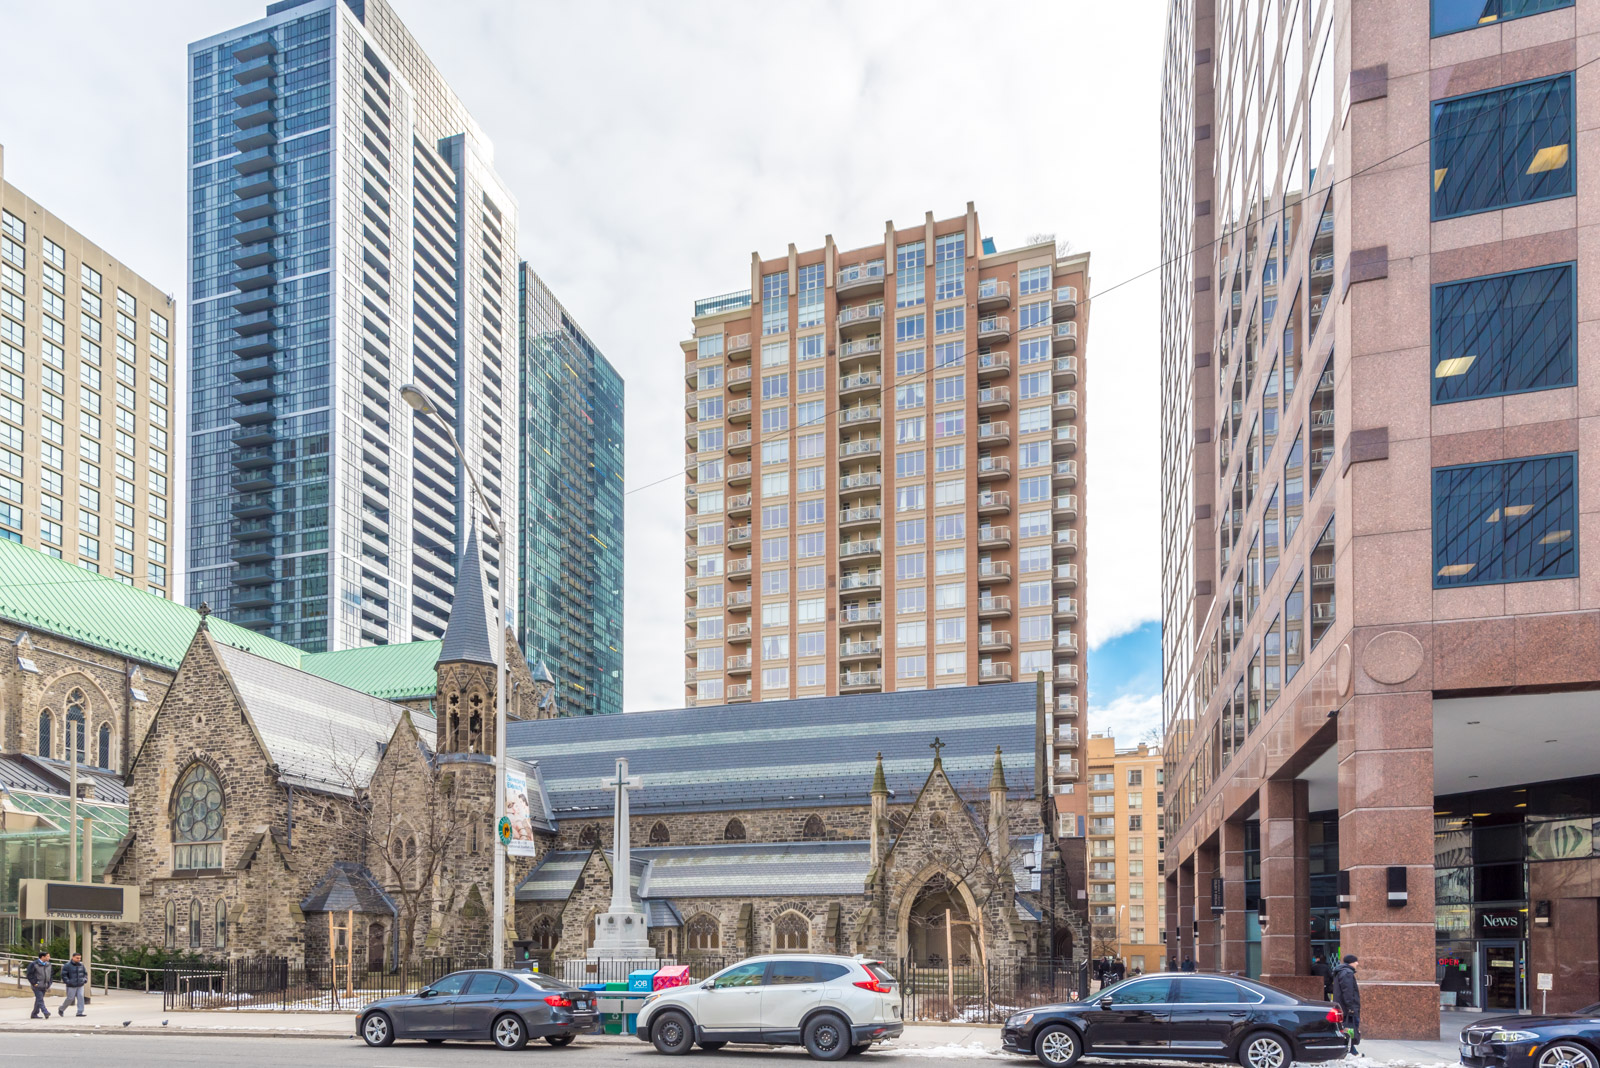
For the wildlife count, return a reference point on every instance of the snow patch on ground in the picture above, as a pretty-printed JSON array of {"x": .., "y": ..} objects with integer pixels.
[{"x": 949, "y": 1051}]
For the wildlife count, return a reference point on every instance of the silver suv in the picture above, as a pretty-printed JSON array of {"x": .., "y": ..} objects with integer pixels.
[{"x": 835, "y": 1006}]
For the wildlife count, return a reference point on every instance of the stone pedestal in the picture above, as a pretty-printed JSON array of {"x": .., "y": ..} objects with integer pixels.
[{"x": 621, "y": 936}]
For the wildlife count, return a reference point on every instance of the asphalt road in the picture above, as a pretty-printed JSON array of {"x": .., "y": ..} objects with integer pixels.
[{"x": 179, "y": 1051}]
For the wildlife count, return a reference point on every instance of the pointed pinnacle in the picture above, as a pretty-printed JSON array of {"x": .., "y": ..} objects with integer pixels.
[
  {"x": 997, "y": 781},
  {"x": 879, "y": 784}
]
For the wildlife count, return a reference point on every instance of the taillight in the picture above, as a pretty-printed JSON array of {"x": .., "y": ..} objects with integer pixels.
[
  {"x": 559, "y": 1002},
  {"x": 1336, "y": 1015},
  {"x": 875, "y": 986}
]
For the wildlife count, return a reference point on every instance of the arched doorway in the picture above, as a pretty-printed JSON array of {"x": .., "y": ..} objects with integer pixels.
[
  {"x": 375, "y": 946},
  {"x": 939, "y": 926}
]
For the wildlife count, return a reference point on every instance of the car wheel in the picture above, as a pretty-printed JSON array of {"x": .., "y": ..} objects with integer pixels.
[
  {"x": 1566, "y": 1055},
  {"x": 509, "y": 1033},
  {"x": 856, "y": 1051},
  {"x": 712, "y": 1047},
  {"x": 672, "y": 1034},
  {"x": 1263, "y": 1050},
  {"x": 1057, "y": 1047},
  {"x": 376, "y": 1030},
  {"x": 827, "y": 1037}
]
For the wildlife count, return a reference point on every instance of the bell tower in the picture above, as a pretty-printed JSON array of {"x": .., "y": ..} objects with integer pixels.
[{"x": 465, "y": 701}]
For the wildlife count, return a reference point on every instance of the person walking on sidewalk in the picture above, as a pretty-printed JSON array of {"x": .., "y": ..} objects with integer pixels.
[
  {"x": 1188, "y": 964},
  {"x": 74, "y": 976},
  {"x": 1347, "y": 995},
  {"x": 39, "y": 980},
  {"x": 1320, "y": 969}
]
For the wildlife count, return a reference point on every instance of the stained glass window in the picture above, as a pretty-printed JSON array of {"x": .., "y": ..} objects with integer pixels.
[{"x": 197, "y": 821}]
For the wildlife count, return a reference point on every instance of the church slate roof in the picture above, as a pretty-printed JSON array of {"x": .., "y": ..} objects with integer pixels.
[
  {"x": 320, "y": 734},
  {"x": 471, "y": 636},
  {"x": 785, "y": 754},
  {"x": 349, "y": 886},
  {"x": 393, "y": 672}
]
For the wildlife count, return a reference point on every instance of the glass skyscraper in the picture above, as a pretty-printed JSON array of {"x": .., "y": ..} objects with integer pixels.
[
  {"x": 348, "y": 235},
  {"x": 569, "y": 597}
]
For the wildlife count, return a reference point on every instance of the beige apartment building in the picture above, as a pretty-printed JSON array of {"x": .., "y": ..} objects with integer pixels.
[
  {"x": 886, "y": 473},
  {"x": 1127, "y": 881},
  {"x": 86, "y": 392},
  {"x": 1379, "y": 368}
]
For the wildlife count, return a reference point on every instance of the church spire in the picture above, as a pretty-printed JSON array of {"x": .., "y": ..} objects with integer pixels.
[
  {"x": 879, "y": 784},
  {"x": 997, "y": 781},
  {"x": 471, "y": 636}
]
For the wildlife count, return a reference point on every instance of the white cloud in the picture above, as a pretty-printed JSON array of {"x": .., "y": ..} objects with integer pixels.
[
  {"x": 1130, "y": 719},
  {"x": 653, "y": 147}
]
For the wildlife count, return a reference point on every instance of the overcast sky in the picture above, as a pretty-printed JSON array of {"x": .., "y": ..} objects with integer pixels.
[{"x": 654, "y": 145}]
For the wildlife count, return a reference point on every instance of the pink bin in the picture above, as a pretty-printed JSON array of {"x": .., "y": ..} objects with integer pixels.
[{"x": 672, "y": 975}]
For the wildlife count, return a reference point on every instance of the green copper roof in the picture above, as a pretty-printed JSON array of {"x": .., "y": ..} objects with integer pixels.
[
  {"x": 39, "y": 592},
  {"x": 393, "y": 672}
]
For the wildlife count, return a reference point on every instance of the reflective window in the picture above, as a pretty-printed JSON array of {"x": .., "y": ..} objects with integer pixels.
[
  {"x": 743, "y": 975},
  {"x": 1505, "y": 522},
  {"x": 1143, "y": 992},
  {"x": 1211, "y": 992},
  {"x": 1449, "y": 16},
  {"x": 1503, "y": 147},
  {"x": 1508, "y": 333}
]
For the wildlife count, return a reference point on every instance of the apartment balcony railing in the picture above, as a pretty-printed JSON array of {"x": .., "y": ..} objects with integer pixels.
[
  {"x": 1067, "y": 705},
  {"x": 1065, "y": 338},
  {"x": 739, "y": 665},
  {"x": 860, "y": 278},
  {"x": 993, "y": 293},
  {"x": 994, "y": 399},
  {"x": 252, "y": 505},
  {"x": 1067, "y": 675},
  {"x": 864, "y": 447},
  {"x": 857, "y": 681},
  {"x": 995, "y": 640},
  {"x": 994, "y": 503},
  {"x": 734, "y": 344},
  {"x": 739, "y": 474},
  {"x": 1065, "y": 305},
  {"x": 738, "y": 693},
  {"x": 860, "y": 347},
  {"x": 994, "y": 328},
  {"x": 1066, "y": 542},
  {"x": 851, "y": 550},
  {"x": 994, "y": 433},
  {"x": 868, "y": 382},
  {"x": 861, "y": 580},
  {"x": 860, "y": 615},
  {"x": 738, "y": 379},
  {"x": 738, "y": 601},
  {"x": 1067, "y": 642},
  {"x": 739, "y": 410},
  {"x": 994, "y": 672},
  {"x": 1067, "y": 609},
  {"x": 253, "y": 575},
  {"x": 739, "y": 570},
  {"x": 853, "y": 517},
  {"x": 1067, "y": 576},
  {"x": 739, "y": 504},
  {"x": 865, "y": 413},
  {"x": 1067, "y": 403},
  {"x": 863, "y": 650},
  {"x": 739, "y": 441},
  {"x": 739, "y": 633},
  {"x": 1067, "y": 736},
  {"x": 1066, "y": 440},
  {"x": 992, "y": 607},
  {"x": 864, "y": 480},
  {"x": 990, "y": 468},
  {"x": 994, "y": 537},
  {"x": 994, "y": 364},
  {"x": 738, "y": 536},
  {"x": 1066, "y": 506},
  {"x": 994, "y": 571},
  {"x": 1066, "y": 371},
  {"x": 1066, "y": 769},
  {"x": 860, "y": 317}
]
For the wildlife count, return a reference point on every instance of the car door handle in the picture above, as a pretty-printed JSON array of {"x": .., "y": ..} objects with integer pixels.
[{"x": 1240, "y": 1013}]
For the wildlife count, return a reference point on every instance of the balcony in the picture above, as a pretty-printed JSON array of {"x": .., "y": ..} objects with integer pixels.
[
  {"x": 859, "y": 319},
  {"x": 739, "y": 442},
  {"x": 263, "y": 46},
  {"x": 860, "y": 681},
  {"x": 252, "y": 505},
  {"x": 1066, "y": 576},
  {"x": 861, "y": 615},
  {"x": 1067, "y": 737},
  {"x": 737, "y": 694},
  {"x": 692, "y": 583},
  {"x": 738, "y": 379},
  {"x": 739, "y": 633},
  {"x": 994, "y": 672},
  {"x": 254, "y": 161},
  {"x": 861, "y": 348},
  {"x": 859, "y": 279},
  {"x": 1066, "y": 371},
  {"x": 994, "y": 607},
  {"x": 257, "y": 92},
  {"x": 992, "y": 468},
  {"x": 255, "y": 300},
  {"x": 254, "y": 618},
  {"x": 865, "y": 480},
  {"x": 246, "y": 348},
  {"x": 863, "y": 650},
  {"x": 994, "y": 503},
  {"x": 994, "y": 433},
  {"x": 995, "y": 641},
  {"x": 739, "y": 410},
  {"x": 255, "y": 256},
  {"x": 993, "y": 365},
  {"x": 994, "y": 399},
  {"x": 739, "y": 601},
  {"x": 1066, "y": 769},
  {"x": 864, "y": 447},
  {"x": 1066, "y": 542},
  {"x": 256, "y": 207},
  {"x": 255, "y": 71},
  {"x": 1065, "y": 338},
  {"x": 739, "y": 504},
  {"x": 254, "y": 231},
  {"x": 736, "y": 345},
  {"x": 1066, "y": 473},
  {"x": 994, "y": 537},
  {"x": 860, "y": 415},
  {"x": 251, "y": 459},
  {"x": 739, "y": 537},
  {"x": 689, "y": 677},
  {"x": 994, "y": 571},
  {"x": 739, "y": 570},
  {"x": 861, "y": 550},
  {"x": 870, "y": 515},
  {"x": 993, "y": 329},
  {"x": 251, "y": 414},
  {"x": 1065, "y": 306},
  {"x": 255, "y": 137},
  {"x": 260, "y": 389},
  {"x": 1066, "y": 440},
  {"x": 739, "y": 474},
  {"x": 691, "y": 373},
  {"x": 252, "y": 552},
  {"x": 1067, "y": 643},
  {"x": 1067, "y": 403},
  {"x": 1067, "y": 706},
  {"x": 1067, "y": 609},
  {"x": 861, "y": 581},
  {"x": 1066, "y": 507},
  {"x": 251, "y": 529},
  {"x": 739, "y": 665},
  {"x": 993, "y": 294},
  {"x": 255, "y": 597},
  {"x": 857, "y": 385},
  {"x": 253, "y": 575},
  {"x": 255, "y": 323},
  {"x": 1067, "y": 675}
]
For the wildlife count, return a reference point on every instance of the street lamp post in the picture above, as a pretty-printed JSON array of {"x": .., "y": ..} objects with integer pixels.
[{"x": 419, "y": 400}]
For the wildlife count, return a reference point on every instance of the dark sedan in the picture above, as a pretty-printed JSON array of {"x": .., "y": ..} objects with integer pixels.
[
  {"x": 1559, "y": 1040},
  {"x": 503, "y": 1007},
  {"x": 1185, "y": 1016}
]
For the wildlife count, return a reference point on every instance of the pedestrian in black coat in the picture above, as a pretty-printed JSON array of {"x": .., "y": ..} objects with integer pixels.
[
  {"x": 1188, "y": 964},
  {"x": 1319, "y": 968},
  {"x": 39, "y": 980},
  {"x": 1347, "y": 995}
]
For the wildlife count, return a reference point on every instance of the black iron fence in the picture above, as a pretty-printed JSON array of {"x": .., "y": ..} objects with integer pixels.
[
  {"x": 987, "y": 992},
  {"x": 280, "y": 985}
]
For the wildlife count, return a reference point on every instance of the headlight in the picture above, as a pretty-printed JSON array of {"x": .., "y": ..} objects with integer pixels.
[
  {"x": 1513, "y": 1036},
  {"x": 651, "y": 998},
  {"x": 1020, "y": 1019}
]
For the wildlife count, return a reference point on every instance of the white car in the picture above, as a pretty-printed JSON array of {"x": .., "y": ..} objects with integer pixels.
[{"x": 835, "y": 1006}]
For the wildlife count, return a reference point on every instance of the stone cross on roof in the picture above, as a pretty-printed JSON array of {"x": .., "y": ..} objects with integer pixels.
[{"x": 937, "y": 746}]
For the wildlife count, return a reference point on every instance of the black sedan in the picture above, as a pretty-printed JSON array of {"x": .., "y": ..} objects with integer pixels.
[
  {"x": 1559, "y": 1040},
  {"x": 503, "y": 1007},
  {"x": 1185, "y": 1016}
]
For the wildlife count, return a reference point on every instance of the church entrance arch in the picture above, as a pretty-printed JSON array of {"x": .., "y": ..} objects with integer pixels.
[{"x": 940, "y": 922}]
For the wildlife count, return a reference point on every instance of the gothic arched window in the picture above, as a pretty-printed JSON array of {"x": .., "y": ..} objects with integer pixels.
[
  {"x": 171, "y": 932},
  {"x": 222, "y": 924},
  {"x": 703, "y": 933},
  {"x": 589, "y": 835},
  {"x": 545, "y": 935},
  {"x": 77, "y": 727},
  {"x": 103, "y": 748},
  {"x": 194, "y": 923},
  {"x": 46, "y": 721},
  {"x": 197, "y": 821},
  {"x": 813, "y": 828},
  {"x": 791, "y": 931},
  {"x": 733, "y": 832},
  {"x": 659, "y": 834}
]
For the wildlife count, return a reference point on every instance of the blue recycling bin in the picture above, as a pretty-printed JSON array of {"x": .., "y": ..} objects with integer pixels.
[{"x": 642, "y": 982}]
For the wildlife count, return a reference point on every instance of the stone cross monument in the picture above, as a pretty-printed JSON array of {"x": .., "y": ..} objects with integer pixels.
[{"x": 620, "y": 930}]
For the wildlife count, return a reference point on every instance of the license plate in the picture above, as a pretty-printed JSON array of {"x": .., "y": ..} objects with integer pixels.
[
  {"x": 1466, "y": 1050},
  {"x": 581, "y": 1004}
]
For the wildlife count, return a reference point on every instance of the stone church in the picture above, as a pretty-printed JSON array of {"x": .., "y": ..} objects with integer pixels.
[{"x": 277, "y": 800}]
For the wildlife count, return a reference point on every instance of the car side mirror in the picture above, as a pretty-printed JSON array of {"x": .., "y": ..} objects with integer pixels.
[
  {"x": 430, "y": 992},
  {"x": 709, "y": 984},
  {"x": 1105, "y": 1002}
]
